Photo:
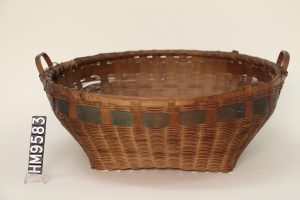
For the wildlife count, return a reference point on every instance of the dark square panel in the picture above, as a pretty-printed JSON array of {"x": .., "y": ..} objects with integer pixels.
[
  {"x": 88, "y": 114},
  {"x": 192, "y": 117},
  {"x": 231, "y": 111},
  {"x": 155, "y": 120},
  {"x": 261, "y": 105},
  {"x": 62, "y": 106},
  {"x": 121, "y": 117}
]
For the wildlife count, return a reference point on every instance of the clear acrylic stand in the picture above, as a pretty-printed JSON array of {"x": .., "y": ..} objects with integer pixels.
[{"x": 36, "y": 178}]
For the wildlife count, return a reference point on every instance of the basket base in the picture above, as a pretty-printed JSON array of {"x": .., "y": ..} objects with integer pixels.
[{"x": 167, "y": 168}]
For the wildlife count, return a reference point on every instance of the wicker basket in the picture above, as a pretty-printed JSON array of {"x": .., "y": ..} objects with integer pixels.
[{"x": 181, "y": 109}]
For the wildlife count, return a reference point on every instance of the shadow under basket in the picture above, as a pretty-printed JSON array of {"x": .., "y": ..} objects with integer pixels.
[{"x": 179, "y": 109}]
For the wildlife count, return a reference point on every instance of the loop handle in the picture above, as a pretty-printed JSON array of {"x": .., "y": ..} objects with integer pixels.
[
  {"x": 39, "y": 65},
  {"x": 283, "y": 60}
]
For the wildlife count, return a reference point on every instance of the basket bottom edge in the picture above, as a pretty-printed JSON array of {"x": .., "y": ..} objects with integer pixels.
[{"x": 162, "y": 168}]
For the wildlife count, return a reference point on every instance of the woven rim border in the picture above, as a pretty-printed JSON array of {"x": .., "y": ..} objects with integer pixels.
[{"x": 280, "y": 68}]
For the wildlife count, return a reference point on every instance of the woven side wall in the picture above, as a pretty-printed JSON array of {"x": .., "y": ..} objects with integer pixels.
[{"x": 209, "y": 146}]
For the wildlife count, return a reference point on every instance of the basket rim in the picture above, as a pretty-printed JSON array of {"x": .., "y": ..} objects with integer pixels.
[{"x": 248, "y": 90}]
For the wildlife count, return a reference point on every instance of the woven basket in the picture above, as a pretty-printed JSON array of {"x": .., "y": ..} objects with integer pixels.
[{"x": 181, "y": 109}]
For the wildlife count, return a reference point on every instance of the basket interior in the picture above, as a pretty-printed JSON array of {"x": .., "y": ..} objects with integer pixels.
[{"x": 164, "y": 76}]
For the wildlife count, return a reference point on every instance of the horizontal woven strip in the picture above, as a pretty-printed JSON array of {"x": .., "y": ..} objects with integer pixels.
[{"x": 160, "y": 120}]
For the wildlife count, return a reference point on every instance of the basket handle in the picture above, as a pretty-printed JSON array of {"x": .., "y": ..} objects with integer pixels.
[
  {"x": 38, "y": 62},
  {"x": 283, "y": 60}
]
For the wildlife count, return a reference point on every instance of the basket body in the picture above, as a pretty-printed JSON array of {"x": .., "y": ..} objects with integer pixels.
[{"x": 206, "y": 133}]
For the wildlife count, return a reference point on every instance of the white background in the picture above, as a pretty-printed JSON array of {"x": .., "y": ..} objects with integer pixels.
[{"x": 268, "y": 169}]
